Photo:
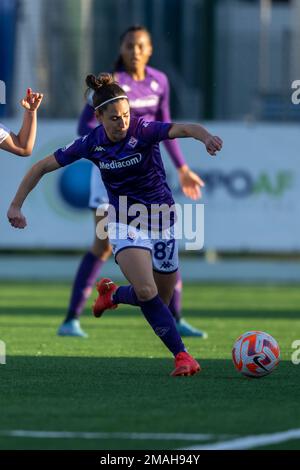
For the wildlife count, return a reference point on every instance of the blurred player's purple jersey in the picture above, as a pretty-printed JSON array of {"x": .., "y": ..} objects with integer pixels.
[
  {"x": 132, "y": 167},
  {"x": 148, "y": 98}
]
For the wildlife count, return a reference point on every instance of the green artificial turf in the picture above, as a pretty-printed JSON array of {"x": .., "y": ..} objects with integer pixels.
[{"x": 118, "y": 379}]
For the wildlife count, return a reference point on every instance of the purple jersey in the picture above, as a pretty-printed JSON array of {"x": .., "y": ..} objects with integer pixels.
[
  {"x": 148, "y": 98},
  {"x": 132, "y": 167}
]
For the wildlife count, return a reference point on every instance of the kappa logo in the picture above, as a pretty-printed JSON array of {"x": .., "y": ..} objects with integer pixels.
[
  {"x": 166, "y": 265},
  {"x": 99, "y": 149},
  {"x": 132, "y": 142}
]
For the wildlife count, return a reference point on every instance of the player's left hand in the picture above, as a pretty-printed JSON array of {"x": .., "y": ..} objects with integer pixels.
[
  {"x": 213, "y": 144},
  {"x": 32, "y": 100},
  {"x": 190, "y": 183}
]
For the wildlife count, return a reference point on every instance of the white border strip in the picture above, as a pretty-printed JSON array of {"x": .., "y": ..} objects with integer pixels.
[
  {"x": 107, "y": 435},
  {"x": 249, "y": 442}
]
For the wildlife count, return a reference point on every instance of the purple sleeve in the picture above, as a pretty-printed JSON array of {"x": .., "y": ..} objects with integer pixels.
[
  {"x": 87, "y": 120},
  {"x": 72, "y": 152},
  {"x": 163, "y": 114},
  {"x": 153, "y": 131}
]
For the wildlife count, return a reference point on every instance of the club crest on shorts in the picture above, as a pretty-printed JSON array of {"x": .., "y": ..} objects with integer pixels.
[{"x": 131, "y": 236}]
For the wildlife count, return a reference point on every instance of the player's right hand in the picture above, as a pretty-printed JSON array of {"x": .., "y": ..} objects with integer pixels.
[
  {"x": 16, "y": 218},
  {"x": 32, "y": 100},
  {"x": 213, "y": 145}
]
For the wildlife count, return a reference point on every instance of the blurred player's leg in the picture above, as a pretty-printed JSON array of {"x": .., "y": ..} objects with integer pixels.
[
  {"x": 184, "y": 328},
  {"x": 84, "y": 281}
]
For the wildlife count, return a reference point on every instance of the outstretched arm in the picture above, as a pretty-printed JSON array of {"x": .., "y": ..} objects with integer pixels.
[
  {"x": 30, "y": 180},
  {"x": 190, "y": 182},
  {"x": 22, "y": 143},
  {"x": 212, "y": 143}
]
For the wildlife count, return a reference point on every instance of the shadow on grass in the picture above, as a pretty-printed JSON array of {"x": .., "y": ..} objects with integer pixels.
[
  {"x": 99, "y": 370},
  {"x": 138, "y": 395}
]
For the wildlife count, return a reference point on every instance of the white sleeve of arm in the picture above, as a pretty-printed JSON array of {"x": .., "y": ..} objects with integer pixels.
[{"x": 4, "y": 133}]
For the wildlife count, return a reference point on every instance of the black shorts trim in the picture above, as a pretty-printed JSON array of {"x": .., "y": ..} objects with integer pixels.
[{"x": 164, "y": 272}]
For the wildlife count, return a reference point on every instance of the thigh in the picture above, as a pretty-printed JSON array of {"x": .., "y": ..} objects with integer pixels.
[{"x": 136, "y": 265}]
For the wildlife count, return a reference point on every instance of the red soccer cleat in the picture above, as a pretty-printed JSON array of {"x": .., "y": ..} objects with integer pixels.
[
  {"x": 185, "y": 364},
  {"x": 106, "y": 287}
]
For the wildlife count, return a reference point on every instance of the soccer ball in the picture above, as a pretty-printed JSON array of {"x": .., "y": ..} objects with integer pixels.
[{"x": 255, "y": 354}]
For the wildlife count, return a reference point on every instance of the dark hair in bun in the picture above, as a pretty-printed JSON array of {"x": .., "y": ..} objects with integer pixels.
[{"x": 104, "y": 87}]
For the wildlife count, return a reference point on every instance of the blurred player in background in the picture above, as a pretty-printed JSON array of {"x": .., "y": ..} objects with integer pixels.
[
  {"x": 22, "y": 143},
  {"x": 148, "y": 93},
  {"x": 148, "y": 262}
]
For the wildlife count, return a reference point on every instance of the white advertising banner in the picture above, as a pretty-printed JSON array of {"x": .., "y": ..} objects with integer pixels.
[{"x": 251, "y": 198}]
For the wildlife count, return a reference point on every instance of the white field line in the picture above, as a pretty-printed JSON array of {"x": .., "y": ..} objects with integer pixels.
[
  {"x": 249, "y": 442},
  {"x": 108, "y": 435}
]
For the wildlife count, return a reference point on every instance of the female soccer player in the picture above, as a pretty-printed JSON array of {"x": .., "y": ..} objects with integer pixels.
[
  {"x": 126, "y": 151},
  {"x": 22, "y": 143},
  {"x": 148, "y": 93}
]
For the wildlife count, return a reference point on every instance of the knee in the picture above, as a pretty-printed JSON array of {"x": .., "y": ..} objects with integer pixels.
[{"x": 146, "y": 292}]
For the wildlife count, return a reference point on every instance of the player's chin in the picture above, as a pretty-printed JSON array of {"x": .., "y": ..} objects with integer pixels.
[{"x": 120, "y": 134}]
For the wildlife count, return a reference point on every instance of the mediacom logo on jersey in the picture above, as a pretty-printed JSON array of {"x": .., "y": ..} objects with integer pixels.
[{"x": 124, "y": 163}]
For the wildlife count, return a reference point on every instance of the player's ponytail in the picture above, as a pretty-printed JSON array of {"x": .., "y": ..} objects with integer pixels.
[{"x": 104, "y": 89}]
